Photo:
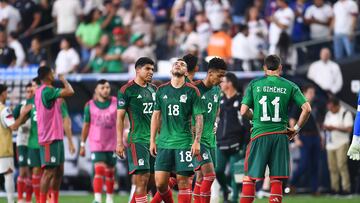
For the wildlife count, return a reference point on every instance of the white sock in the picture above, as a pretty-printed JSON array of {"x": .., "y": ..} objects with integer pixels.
[
  {"x": 109, "y": 198},
  {"x": 132, "y": 191},
  {"x": 97, "y": 197},
  {"x": 9, "y": 187}
]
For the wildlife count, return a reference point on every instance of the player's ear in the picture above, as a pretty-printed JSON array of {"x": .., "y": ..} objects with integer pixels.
[{"x": 280, "y": 68}]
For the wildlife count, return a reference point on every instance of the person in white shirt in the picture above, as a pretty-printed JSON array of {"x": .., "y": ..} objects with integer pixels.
[
  {"x": 191, "y": 37},
  {"x": 319, "y": 16},
  {"x": 217, "y": 11},
  {"x": 281, "y": 21},
  {"x": 67, "y": 59},
  {"x": 344, "y": 25},
  {"x": 18, "y": 48},
  {"x": 204, "y": 31},
  {"x": 66, "y": 13},
  {"x": 243, "y": 50},
  {"x": 258, "y": 30},
  {"x": 338, "y": 123},
  {"x": 9, "y": 17},
  {"x": 326, "y": 73}
]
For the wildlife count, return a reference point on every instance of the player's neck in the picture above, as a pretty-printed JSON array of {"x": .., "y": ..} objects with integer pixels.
[
  {"x": 102, "y": 99},
  {"x": 207, "y": 83},
  {"x": 230, "y": 93},
  {"x": 272, "y": 73},
  {"x": 177, "y": 82},
  {"x": 191, "y": 76},
  {"x": 140, "y": 82}
]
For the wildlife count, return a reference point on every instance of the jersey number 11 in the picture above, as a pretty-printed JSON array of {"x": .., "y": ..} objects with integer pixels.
[{"x": 276, "y": 105}]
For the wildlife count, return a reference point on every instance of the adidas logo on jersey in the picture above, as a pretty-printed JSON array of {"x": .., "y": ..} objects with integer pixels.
[
  {"x": 190, "y": 165},
  {"x": 165, "y": 97},
  {"x": 203, "y": 97},
  {"x": 139, "y": 96}
]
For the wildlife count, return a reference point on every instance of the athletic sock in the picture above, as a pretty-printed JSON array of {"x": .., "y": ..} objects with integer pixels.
[
  {"x": 205, "y": 190},
  {"x": 54, "y": 196},
  {"x": 9, "y": 187},
  {"x": 132, "y": 193},
  {"x": 98, "y": 181},
  {"x": 109, "y": 174},
  {"x": 184, "y": 195},
  {"x": 275, "y": 191},
  {"x": 157, "y": 197},
  {"x": 196, "y": 193},
  {"x": 36, "y": 186},
  {"x": 43, "y": 197},
  {"x": 248, "y": 192},
  {"x": 141, "y": 198},
  {"x": 133, "y": 199},
  {"x": 28, "y": 189},
  {"x": 167, "y": 196},
  {"x": 20, "y": 187}
]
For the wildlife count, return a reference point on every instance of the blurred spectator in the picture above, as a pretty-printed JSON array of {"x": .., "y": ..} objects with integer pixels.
[
  {"x": 89, "y": 5},
  {"x": 19, "y": 50},
  {"x": 160, "y": 9},
  {"x": 66, "y": 14},
  {"x": 140, "y": 20},
  {"x": 238, "y": 10},
  {"x": 204, "y": 31},
  {"x": 220, "y": 43},
  {"x": 98, "y": 63},
  {"x": 104, "y": 42},
  {"x": 110, "y": 20},
  {"x": 9, "y": 17},
  {"x": 176, "y": 35},
  {"x": 185, "y": 10},
  {"x": 217, "y": 11},
  {"x": 258, "y": 30},
  {"x": 286, "y": 52},
  {"x": 326, "y": 73},
  {"x": 281, "y": 21},
  {"x": 7, "y": 54},
  {"x": 242, "y": 49},
  {"x": 88, "y": 34},
  {"x": 301, "y": 29},
  {"x": 113, "y": 55},
  {"x": 319, "y": 16},
  {"x": 30, "y": 18},
  {"x": 270, "y": 9},
  {"x": 338, "y": 123},
  {"x": 344, "y": 24},
  {"x": 46, "y": 19},
  {"x": 137, "y": 49},
  {"x": 36, "y": 55},
  {"x": 68, "y": 60},
  {"x": 191, "y": 38},
  {"x": 309, "y": 143}
]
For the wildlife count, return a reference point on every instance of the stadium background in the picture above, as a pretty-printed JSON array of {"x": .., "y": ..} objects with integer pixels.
[{"x": 77, "y": 169}]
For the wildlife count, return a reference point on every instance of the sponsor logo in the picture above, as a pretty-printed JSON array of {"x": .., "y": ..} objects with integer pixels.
[
  {"x": 203, "y": 97},
  {"x": 139, "y": 96},
  {"x": 165, "y": 97}
]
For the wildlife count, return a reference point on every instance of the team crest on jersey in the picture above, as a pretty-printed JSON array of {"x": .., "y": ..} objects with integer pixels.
[
  {"x": 236, "y": 104},
  {"x": 205, "y": 156},
  {"x": 121, "y": 102},
  {"x": 53, "y": 159},
  {"x": 183, "y": 98},
  {"x": 216, "y": 98},
  {"x": 153, "y": 96},
  {"x": 141, "y": 162},
  {"x": 21, "y": 158}
]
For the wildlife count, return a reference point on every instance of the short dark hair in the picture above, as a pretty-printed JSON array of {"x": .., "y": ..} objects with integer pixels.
[
  {"x": 3, "y": 88},
  {"x": 36, "y": 80},
  {"x": 333, "y": 100},
  {"x": 217, "y": 64},
  {"x": 306, "y": 87},
  {"x": 101, "y": 82},
  {"x": 272, "y": 62},
  {"x": 144, "y": 61},
  {"x": 28, "y": 85},
  {"x": 233, "y": 79},
  {"x": 191, "y": 62},
  {"x": 43, "y": 71}
]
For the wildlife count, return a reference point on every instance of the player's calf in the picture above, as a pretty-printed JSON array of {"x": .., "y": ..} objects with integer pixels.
[
  {"x": 275, "y": 191},
  {"x": 162, "y": 181},
  {"x": 141, "y": 187},
  {"x": 196, "y": 192},
  {"x": 248, "y": 191},
  {"x": 184, "y": 195},
  {"x": 109, "y": 182},
  {"x": 98, "y": 181}
]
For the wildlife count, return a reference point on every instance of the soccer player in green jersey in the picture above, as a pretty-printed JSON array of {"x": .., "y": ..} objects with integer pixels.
[
  {"x": 205, "y": 161},
  {"x": 266, "y": 103},
  {"x": 175, "y": 103},
  {"x": 137, "y": 98}
]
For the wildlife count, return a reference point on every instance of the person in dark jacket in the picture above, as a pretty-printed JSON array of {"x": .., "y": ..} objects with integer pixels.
[{"x": 232, "y": 135}]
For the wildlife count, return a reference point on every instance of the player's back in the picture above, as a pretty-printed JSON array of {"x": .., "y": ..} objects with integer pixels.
[{"x": 270, "y": 97}]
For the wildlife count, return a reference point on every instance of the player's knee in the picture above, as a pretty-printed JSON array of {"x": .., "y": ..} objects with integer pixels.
[
  {"x": 100, "y": 169},
  {"x": 183, "y": 182},
  {"x": 210, "y": 177}
]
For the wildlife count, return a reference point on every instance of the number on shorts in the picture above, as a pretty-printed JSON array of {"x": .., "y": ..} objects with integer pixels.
[{"x": 188, "y": 157}]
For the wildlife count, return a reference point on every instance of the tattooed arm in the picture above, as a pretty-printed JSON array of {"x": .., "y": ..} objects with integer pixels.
[{"x": 199, "y": 123}]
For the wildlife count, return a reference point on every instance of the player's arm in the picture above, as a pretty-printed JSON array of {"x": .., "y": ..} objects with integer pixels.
[
  {"x": 120, "y": 119},
  {"x": 85, "y": 130},
  {"x": 246, "y": 112},
  {"x": 304, "y": 116},
  {"x": 199, "y": 125},
  {"x": 354, "y": 150},
  {"x": 67, "y": 91},
  {"x": 67, "y": 126},
  {"x": 154, "y": 128},
  {"x": 24, "y": 115}
]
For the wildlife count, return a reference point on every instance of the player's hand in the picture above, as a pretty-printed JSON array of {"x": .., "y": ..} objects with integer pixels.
[
  {"x": 195, "y": 149},
  {"x": 82, "y": 151},
  {"x": 153, "y": 150},
  {"x": 354, "y": 150},
  {"x": 71, "y": 148},
  {"x": 298, "y": 142},
  {"x": 120, "y": 150},
  {"x": 291, "y": 133}
]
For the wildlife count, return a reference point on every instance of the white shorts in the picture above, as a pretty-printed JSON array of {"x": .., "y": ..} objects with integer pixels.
[{"x": 6, "y": 164}]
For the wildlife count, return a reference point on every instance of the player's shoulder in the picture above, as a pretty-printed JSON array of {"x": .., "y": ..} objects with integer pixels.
[
  {"x": 256, "y": 80},
  {"x": 127, "y": 86},
  {"x": 193, "y": 87},
  {"x": 197, "y": 83},
  {"x": 162, "y": 86},
  {"x": 288, "y": 82},
  {"x": 153, "y": 86}
]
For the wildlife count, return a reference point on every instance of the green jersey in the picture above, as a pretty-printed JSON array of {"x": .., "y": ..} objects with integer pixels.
[
  {"x": 139, "y": 105},
  {"x": 115, "y": 22},
  {"x": 97, "y": 65},
  {"x": 210, "y": 97},
  {"x": 270, "y": 97},
  {"x": 115, "y": 66},
  {"x": 33, "y": 138},
  {"x": 177, "y": 106}
]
